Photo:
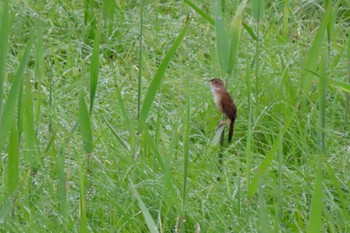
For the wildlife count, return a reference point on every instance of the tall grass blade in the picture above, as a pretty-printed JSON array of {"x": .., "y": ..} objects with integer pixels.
[
  {"x": 82, "y": 200},
  {"x": 157, "y": 79},
  {"x": 4, "y": 32},
  {"x": 29, "y": 127},
  {"x": 312, "y": 59},
  {"x": 347, "y": 100},
  {"x": 123, "y": 110},
  {"x": 186, "y": 144},
  {"x": 6, "y": 208},
  {"x": 248, "y": 149},
  {"x": 221, "y": 36},
  {"x": 212, "y": 21},
  {"x": 13, "y": 162},
  {"x": 269, "y": 157},
  {"x": 344, "y": 86},
  {"x": 120, "y": 139},
  {"x": 249, "y": 31},
  {"x": 38, "y": 72},
  {"x": 315, "y": 220},
  {"x": 152, "y": 227},
  {"x": 264, "y": 219},
  {"x": 257, "y": 12},
  {"x": 285, "y": 19},
  {"x": 61, "y": 189},
  {"x": 94, "y": 70},
  {"x": 200, "y": 12},
  {"x": 9, "y": 108},
  {"x": 108, "y": 10},
  {"x": 139, "y": 81},
  {"x": 337, "y": 183},
  {"x": 322, "y": 101},
  {"x": 235, "y": 35},
  {"x": 150, "y": 143},
  {"x": 87, "y": 11},
  {"x": 258, "y": 9},
  {"x": 85, "y": 125}
]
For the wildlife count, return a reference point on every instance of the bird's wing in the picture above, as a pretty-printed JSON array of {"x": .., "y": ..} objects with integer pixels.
[{"x": 229, "y": 107}]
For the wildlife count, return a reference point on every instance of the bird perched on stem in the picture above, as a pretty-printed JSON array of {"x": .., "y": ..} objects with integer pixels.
[{"x": 224, "y": 103}]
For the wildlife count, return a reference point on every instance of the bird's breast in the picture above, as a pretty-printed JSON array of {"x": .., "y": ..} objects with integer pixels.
[{"x": 217, "y": 100}]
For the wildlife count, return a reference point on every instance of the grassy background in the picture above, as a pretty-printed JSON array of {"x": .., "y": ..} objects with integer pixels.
[{"x": 107, "y": 118}]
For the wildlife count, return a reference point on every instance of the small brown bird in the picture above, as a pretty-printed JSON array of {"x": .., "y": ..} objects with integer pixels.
[{"x": 224, "y": 103}]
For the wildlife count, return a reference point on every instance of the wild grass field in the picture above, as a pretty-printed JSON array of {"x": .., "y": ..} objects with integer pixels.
[{"x": 107, "y": 121}]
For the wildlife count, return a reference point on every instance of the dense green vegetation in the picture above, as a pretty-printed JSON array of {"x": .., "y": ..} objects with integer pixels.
[{"x": 107, "y": 120}]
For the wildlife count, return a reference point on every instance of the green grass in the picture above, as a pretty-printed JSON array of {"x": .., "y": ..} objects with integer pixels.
[{"x": 107, "y": 121}]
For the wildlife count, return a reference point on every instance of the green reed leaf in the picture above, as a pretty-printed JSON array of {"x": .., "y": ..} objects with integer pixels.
[
  {"x": 9, "y": 108},
  {"x": 4, "y": 32},
  {"x": 152, "y": 227},
  {"x": 94, "y": 70},
  {"x": 235, "y": 35},
  {"x": 157, "y": 79},
  {"x": 85, "y": 125}
]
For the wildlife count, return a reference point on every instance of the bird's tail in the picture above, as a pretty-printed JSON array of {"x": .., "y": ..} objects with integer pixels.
[{"x": 230, "y": 133}]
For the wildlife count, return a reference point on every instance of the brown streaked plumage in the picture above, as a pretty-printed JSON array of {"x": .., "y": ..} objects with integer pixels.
[{"x": 224, "y": 103}]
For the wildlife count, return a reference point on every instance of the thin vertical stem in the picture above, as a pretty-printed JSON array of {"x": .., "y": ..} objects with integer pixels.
[
  {"x": 140, "y": 62},
  {"x": 257, "y": 51},
  {"x": 347, "y": 102},
  {"x": 5, "y": 30}
]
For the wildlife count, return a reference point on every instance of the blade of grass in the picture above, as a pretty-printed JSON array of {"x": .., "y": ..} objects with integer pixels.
[
  {"x": 258, "y": 9},
  {"x": 221, "y": 37},
  {"x": 257, "y": 12},
  {"x": 61, "y": 188},
  {"x": 264, "y": 221},
  {"x": 285, "y": 19},
  {"x": 139, "y": 81},
  {"x": 108, "y": 10},
  {"x": 212, "y": 21},
  {"x": 13, "y": 163},
  {"x": 200, "y": 12},
  {"x": 150, "y": 143},
  {"x": 85, "y": 125},
  {"x": 4, "y": 32},
  {"x": 29, "y": 127},
  {"x": 9, "y": 108},
  {"x": 322, "y": 101},
  {"x": 312, "y": 59},
  {"x": 82, "y": 199},
  {"x": 6, "y": 208},
  {"x": 269, "y": 157},
  {"x": 235, "y": 35},
  {"x": 186, "y": 144},
  {"x": 120, "y": 139},
  {"x": 16, "y": 194},
  {"x": 123, "y": 110},
  {"x": 157, "y": 79},
  {"x": 248, "y": 149},
  {"x": 347, "y": 101},
  {"x": 249, "y": 31},
  {"x": 38, "y": 73},
  {"x": 152, "y": 227},
  {"x": 315, "y": 220},
  {"x": 337, "y": 184},
  {"x": 339, "y": 84},
  {"x": 94, "y": 69},
  {"x": 88, "y": 10}
]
